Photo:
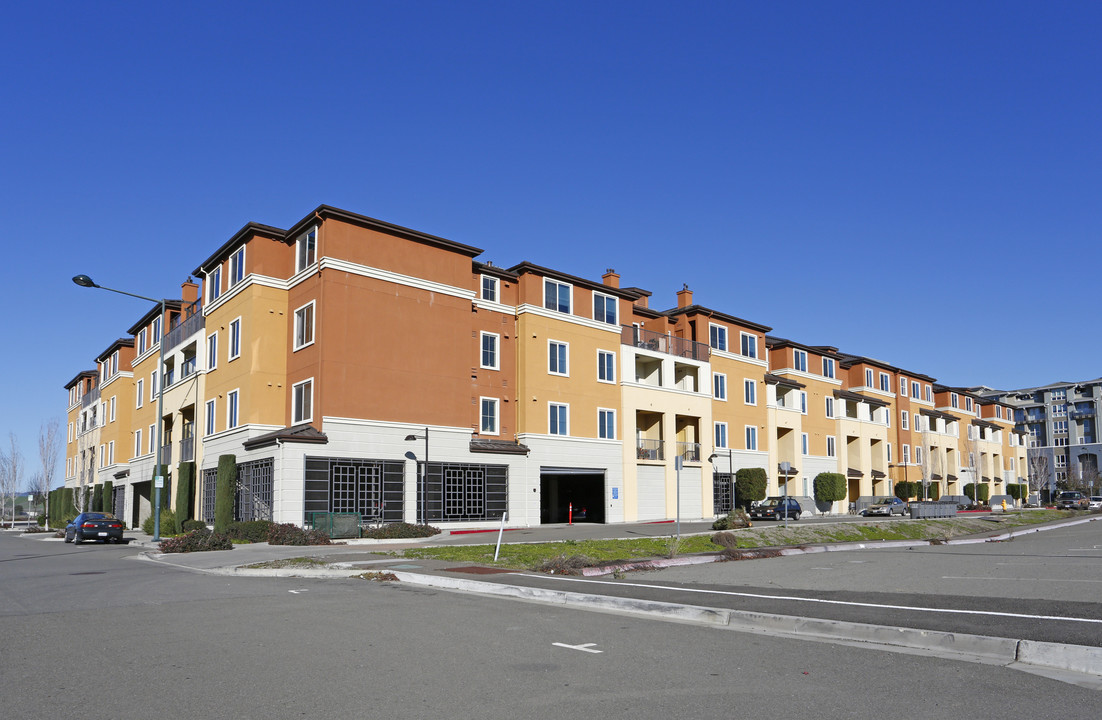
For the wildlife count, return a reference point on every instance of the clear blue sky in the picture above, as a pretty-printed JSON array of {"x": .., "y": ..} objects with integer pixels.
[{"x": 919, "y": 182}]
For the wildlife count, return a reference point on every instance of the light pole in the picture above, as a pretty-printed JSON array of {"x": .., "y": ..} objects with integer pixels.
[
  {"x": 731, "y": 472},
  {"x": 158, "y": 479},
  {"x": 424, "y": 472}
]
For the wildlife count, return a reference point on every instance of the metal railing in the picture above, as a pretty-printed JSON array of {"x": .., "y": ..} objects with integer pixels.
[
  {"x": 187, "y": 449},
  {"x": 193, "y": 323},
  {"x": 90, "y": 398},
  {"x": 649, "y": 450},
  {"x": 166, "y": 454},
  {"x": 659, "y": 342},
  {"x": 689, "y": 451}
]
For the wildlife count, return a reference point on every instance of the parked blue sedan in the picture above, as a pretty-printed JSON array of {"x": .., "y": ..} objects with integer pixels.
[{"x": 94, "y": 526}]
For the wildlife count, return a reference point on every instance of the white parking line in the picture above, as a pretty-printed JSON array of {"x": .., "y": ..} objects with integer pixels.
[
  {"x": 1053, "y": 580},
  {"x": 947, "y": 611},
  {"x": 587, "y": 647}
]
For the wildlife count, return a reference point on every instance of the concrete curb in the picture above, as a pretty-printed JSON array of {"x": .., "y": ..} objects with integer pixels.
[{"x": 962, "y": 646}]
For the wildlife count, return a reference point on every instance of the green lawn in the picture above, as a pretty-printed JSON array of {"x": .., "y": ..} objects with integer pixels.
[{"x": 593, "y": 552}]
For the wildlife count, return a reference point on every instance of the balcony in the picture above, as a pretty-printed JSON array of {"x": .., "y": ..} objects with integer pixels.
[
  {"x": 193, "y": 323},
  {"x": 659, "y": 342},
  {"x": 187, "y": 449},
  {"x": 649, "y": 450},
  {"x": 166, "y": 454},
  {"x": 90, "y": 398},
  {"x": 689, "y": 451}
]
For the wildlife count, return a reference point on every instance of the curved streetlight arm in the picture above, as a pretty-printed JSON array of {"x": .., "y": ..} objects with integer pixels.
[{"x": 85, "y": 281}]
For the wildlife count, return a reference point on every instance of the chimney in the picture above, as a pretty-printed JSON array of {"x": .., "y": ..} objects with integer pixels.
[
  {"x": 189, "y": 291},
  {"x": 684, "y": 297},
  {"x": 610, "y": 278}
]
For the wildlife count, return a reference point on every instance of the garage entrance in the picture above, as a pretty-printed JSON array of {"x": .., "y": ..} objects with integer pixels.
[{"x": 582, "y": 487}]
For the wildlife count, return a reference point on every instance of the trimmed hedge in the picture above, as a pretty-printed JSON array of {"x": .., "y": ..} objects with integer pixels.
[
  {"x": 830, "y": 487},
  {"x": 750, "y": 484},
  {"x": 288, "y": 534},
  {"x": 197, "y": 541},
  {"x": 109, "y": 498},
  {"x": 984, "y": 492},
  {"x": 97, "y": 498},
  {"x": 224, "y": 493},
  {"x": 1018, "y": 491},
  {"x": 905, "y": 490},
  {"x": 185, "y": 493},
  {"x": 399, "y": 530}
]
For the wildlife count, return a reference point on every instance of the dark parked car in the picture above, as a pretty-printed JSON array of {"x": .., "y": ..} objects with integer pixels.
[
  {"x": 775, "y": 508},
  {"x": 1072, "y": 500},
  {"x": 94, "y": 526},
  {"x": 888, "y": 505}
]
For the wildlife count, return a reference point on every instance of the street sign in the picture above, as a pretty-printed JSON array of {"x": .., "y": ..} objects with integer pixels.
[{"x": 158, "y": 481}]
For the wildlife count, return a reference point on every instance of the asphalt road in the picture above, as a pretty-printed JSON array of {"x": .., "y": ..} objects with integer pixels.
[{"x": 94, "y": 632}]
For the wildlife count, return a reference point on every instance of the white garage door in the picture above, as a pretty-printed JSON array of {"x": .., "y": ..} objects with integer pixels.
[
  {"x": 652, "y": 492},
  {"x": 692, "y": 502}
]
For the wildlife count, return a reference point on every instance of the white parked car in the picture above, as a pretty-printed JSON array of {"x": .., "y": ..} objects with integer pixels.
[{"x": 1095, "y": 502}]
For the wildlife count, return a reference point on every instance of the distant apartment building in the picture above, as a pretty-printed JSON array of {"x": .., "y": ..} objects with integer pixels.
[
  {"x": 350, "y": 365},
  {"x": 1060, "y": 425}
]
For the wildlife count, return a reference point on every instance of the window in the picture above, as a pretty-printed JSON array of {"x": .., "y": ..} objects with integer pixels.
[
  {"x": 212, "y": 351},
  {"x": 102, "y": 455},
  {"x": 828, "y": 367},
  {"x": 231, "y": 409},
  {"x": 70, "y": 432},
  {"x": 721, "y": 434},
  {"x": 140, "y": 388},
  {"x": 153, "y": 387},
  {"x": 606, "y": 366},
  {"x": 804, "y": 443},
  {"x": 954, "y": 400},
  {"x": 888, "y": 447},
  {"x": 142, "y": 341},
  {"x": 209, "y": 428},
  {"x": 487, "y": 422},
  {"x": 152, "y": 437},
  {"x": 719, "y": 386},
  {"x": 998, "y": 412},
  {"x": 799, "y": 360},
  {"x": 868, "y": 378},
  {"x": 488, "y": 356},
  {"x": 557, "y": 358},
  {"x": 111, "y": 454},
  {"x": 917, "y": 422},
  {"x": 918, "y": 454},
  {"x": 885, "y": 382},
  {"x": 927, "y": 393},
  {"x": 235, "y": 339},
  {"x": 906, "y": 454},
  {"x": 556, "y": 296},
  {"x": 113, "y": 398},
  {"x": 306, "y": 250},
  {"x": 903, "y": 386},
  {"x": 904, "y": 420},
  {"x": 1011, "y": 461},
  {"x": 304, "y": 326},
  {"x": 237, "y": 266},
  {"x": 717, "y": 337},
  {"x": 749, "y": 345},
  {"x": 803, "y": 402},
  {"x": 751, "y": 437},
  {"x": 604, "y": 309},
  {"x": 302, "y": 401},
  {"x": 1061, "y": 461},
  {"x": 214, "y": 284},
  {"x": 489, "y": 288},
  {"x": 137, "y": 443},
  {"x": 968, "y": 404},
  {"x": 558, "y": 419},
  {"x": 606, "y": 424},
  {"x": 831, "y": 450},
  {"x": 829, "y": 407},
  {"x": 914, "y": 390},
  {"x": 156, "y": 337},
  {"x": 750, "y": 392}
]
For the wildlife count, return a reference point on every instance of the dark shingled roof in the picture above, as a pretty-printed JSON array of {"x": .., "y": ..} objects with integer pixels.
[
  {"x": 295, "y": 433},
  {"x": 499, "y": 447}
]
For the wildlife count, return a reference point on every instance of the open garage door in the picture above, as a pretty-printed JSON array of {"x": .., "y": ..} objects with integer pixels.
[{"x": 584, "y": 488}]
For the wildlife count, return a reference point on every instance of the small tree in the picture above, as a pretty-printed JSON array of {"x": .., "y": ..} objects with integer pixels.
[
  {"x": 50, "y": 448},
  {"x": 224, "y": 494},
  {"x": 185, "y": 494},
  {"x": 750, "y": 484},
  {"x": 109, "y": 498},
  {"x": 830, "y": 487}
]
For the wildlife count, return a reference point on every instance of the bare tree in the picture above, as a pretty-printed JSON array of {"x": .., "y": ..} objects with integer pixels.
[
  {"x": 1039, "y": 471},
  {"x": 930, "y": 462},
  {"x": 11, "y": 472},
  {"x": 50, "y": 448}
]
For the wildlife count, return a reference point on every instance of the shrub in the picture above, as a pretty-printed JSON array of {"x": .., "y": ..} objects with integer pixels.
[
  {"x": 42, "y": 520},
  {"x": 737, "y": 519},
  {"x": 288, "y": 534},
  {"x": 984, "y": 492},
  {"x": 97, "y": 498},
  {"x": 224, "y": 492},
  {"x": 109, "y": 497},
  {"x": 192, "y": 525},
  {"x": 399, "y": 530},
  {"x": 197, "y": 541},
  {"x": 1018, "y": 491},
  {"x": 254, "y": 531},
  {"x": 830, "y": 487},
  {"x": 750, "y": 485},
  {"x": 168, "y": 523},
  {"x": 904, "y": 490},
  {"x": 185, "y": 489}
]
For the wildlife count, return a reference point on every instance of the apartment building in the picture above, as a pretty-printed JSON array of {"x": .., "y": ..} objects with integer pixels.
[{"x": 351, "y": 365}]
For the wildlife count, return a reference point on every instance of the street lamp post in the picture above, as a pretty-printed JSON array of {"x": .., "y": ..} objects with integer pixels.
[
  {"x": 158, "y": 479},
  {"x": 424, "y": 472}
]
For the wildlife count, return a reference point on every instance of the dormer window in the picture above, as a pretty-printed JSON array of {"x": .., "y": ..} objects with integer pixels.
[
  {"x": 556, "y": 296},
  {"x": 214, "y": 284},
  {"x": 306, "y": 249}
]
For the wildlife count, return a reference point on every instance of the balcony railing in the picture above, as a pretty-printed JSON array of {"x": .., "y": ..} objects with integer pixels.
[
  {"x": 689, "y": 451},
  {"x": 650, "y": 450},
  {"x": 658, "y": 342},
  {"x": 166, "y": 454},
  {"x": 90, "y": 398},
  {"x": 187, "y": 449},
  {"x": 193, "y": 323}
]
